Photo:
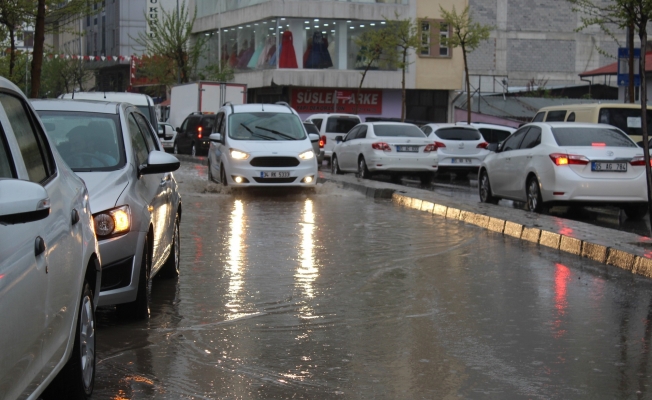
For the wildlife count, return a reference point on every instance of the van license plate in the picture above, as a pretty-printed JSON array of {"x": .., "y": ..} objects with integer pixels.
[
  {"x": 275, "y": 174},
  {"x": 598, "y": 166}
]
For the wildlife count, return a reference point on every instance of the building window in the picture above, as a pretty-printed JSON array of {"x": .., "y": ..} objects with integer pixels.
[{"x": 433, "y": 34}]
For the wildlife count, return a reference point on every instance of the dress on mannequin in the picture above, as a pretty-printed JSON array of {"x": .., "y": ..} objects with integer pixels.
[
  {"x": 288, "y": 58},
  {"x": 319, "y": 56}
]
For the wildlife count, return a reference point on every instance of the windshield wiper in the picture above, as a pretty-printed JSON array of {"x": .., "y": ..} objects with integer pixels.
[
  {"x": 257, "y": 134},
  {"x": 281, "y": 134}
]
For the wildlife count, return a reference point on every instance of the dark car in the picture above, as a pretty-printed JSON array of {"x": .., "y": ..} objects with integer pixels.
[
  {"x": 192, "y": 136},
  {"x": 317, "y": 146}
]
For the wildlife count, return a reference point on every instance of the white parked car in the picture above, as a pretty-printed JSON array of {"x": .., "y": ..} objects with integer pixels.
[
  {"x": 492, "y": 133},
  {"x": 261, "y": 145},
  {"x": 560, "y": 163},
  {"x": 387, "y": 147},
  {"x": 50, "y": 272},
  {"x": 332, "y": 125},
  {"x": 133, "y": 195},
  {"x": 166, "y": 134},
  {"x": 461, "y": 148}
]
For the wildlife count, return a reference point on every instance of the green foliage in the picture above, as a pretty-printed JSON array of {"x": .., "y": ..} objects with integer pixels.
[
  {"x": 173, "y": 51},
  {"x": 218, "y": 72}
]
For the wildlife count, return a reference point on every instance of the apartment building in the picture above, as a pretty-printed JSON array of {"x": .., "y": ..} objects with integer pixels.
[{"x": 304, "y": 52}]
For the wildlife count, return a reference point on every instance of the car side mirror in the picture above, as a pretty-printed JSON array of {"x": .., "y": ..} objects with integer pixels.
[
  {"x": 22, "y": 202},
  {"x": 215, "y": 137},
  {"x": 159, "y": 162},
  {"x": 492, "y": 147},
  {"x": 313, "y": 137},
  {"x": 178, "y": 129},
  {"x": 161, "y": 132},
  {"x": 339, "y": 139}
]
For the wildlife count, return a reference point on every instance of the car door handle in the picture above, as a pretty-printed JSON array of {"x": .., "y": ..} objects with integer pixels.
[
  {"x": 39, "y": 246},
  {"x": 75, "y": 216},
  {"x": 528, "y": 156}
]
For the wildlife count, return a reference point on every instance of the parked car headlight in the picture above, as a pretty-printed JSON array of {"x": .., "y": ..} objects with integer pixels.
[
  {"x": 112, "y": 222},
  {"x": 307, "y": 155},
  {"x": 239, "y": 155}
]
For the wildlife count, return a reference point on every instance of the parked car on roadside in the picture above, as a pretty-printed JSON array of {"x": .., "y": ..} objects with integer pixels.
[
  {"x": 331, "y": 126},
  {"x": 317, "y": 144},
  {"x": 192, "y": 135},
  {"x": 394, "y": 148},
  {"x": 261, "y": 145},
  {"x": 166, "y": 134},
  {"x": 133, "y": 195},
  {"x": 561, "y": 163},
  {"x": 50, "y": 272},
  {"x": 460, "y": 148}
]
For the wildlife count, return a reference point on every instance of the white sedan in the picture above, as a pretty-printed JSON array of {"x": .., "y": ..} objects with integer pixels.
[
  {"x": 546, "y": 164},
  {"x": 386, "y": 147},
  {"x": 461, "y": 148}
]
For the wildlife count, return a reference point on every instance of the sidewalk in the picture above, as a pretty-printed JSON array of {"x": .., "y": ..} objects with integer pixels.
[{"x": 621, "y": 249}]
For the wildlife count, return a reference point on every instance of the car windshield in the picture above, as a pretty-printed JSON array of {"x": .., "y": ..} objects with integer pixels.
[
  {"x": 458, "y": 134},
  {"x": 86, "y": 141},
  {"x": 265, "y": 126},
  {"x": 398, "y": 130},
  {"x": 591, "y": 137},
  {"x": 341, "y": 124}
]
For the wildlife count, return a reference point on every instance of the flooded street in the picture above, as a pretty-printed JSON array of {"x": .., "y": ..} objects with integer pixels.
[{"x": 333, "y": 295}]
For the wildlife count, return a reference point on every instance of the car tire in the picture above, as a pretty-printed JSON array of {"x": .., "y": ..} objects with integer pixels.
[
  {"x": 223, "y": 180},
  {"x": 533, "y": 194},
  {"x": 139, "y": 308},
  {"x": 170, "y": 269},
  {"x": 210, "y": 174},
  {"x": 77, "y": 378},
  {"x": 363, "y": 171},
  {"x": 175, "y": 148},
  {"x": 635, "y": 212},
  {"x": 484, "y": 189},
  {"x": 335, "y": 166},
  {"x": 193, "y": 150},
  {"x": 426, "y": 178}
]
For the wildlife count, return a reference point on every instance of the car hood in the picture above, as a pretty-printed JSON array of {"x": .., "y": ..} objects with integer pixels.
[
  {"x": 104, "y": 188},
  {"x": 272, "y": 146}
]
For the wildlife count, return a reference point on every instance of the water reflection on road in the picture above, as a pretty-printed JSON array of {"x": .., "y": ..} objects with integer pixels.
[{"x": 332, "y": 295}]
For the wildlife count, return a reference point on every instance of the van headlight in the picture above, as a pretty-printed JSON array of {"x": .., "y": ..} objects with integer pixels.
[
  {"x": 112, "y": 222},
  {"x": 307, "y": 155},
  {"x": 239, "y": 155}
]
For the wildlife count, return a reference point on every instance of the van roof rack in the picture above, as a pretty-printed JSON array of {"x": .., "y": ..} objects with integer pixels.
[
  {"x": 284, "y": 103},
  {"x": 231, "y": 104}
]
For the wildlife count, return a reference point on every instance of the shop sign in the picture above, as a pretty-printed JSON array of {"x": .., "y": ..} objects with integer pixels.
[{"x": 312, "y": 101}]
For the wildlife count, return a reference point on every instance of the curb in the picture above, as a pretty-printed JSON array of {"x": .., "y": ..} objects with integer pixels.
[{"x": 624, "y": 255}]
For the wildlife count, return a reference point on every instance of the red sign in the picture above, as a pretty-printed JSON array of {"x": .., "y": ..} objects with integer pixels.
[{"x": 313, "y": 101}]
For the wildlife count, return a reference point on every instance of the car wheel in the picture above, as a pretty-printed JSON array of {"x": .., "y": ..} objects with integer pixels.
[
  {"x": 193, "y": 150},
  {"x": 171, "y": 267},
  {"x": 210, "y": 174},
  {"x": 426, "y": 178},
  {"x": 484, "y": 189},
  {"x": 363, "y": 171},
  {"x": 77, "y": 378},
  {"x": 533, "y": 194},
  {"x": 139, "y": 309},
  {"x": 175, "y": 148},
  {"x": 636, "y": 212},
  {"x": 335, "y": 166},
  {"x": 223, "y": 180}
]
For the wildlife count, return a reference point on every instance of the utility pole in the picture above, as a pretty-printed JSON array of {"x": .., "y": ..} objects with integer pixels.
[{"x": 179, "y": 22}]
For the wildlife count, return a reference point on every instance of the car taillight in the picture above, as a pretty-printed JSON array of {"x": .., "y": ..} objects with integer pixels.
[
  {"x": 439, "y": 145},
  {"x": 568, "y": 159},
  {"x": 430, "y": 147},
  {"x": 199, "y": 129},
  {"x": 381, "y": 146},
  {"x": 322, "y": 141},
  {"x": 482, "y": 145},
  {"x": 639, "y": 161}
]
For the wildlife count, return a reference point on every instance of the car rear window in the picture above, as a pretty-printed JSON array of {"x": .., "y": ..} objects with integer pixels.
[
  {"x": 311, "y": 128},
  {"x": 398, "y": 130},
  {"x": 341, "y": 124},
  {"x": 458, "y": 134},
  {"x": 591, "y": 137}
]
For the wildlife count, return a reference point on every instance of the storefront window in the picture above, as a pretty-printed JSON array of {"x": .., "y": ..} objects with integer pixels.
[{"x": 210, "y": 7}]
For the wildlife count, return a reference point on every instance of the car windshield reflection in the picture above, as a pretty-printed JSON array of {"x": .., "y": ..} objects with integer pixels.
[{"x": 266, "y": 126}]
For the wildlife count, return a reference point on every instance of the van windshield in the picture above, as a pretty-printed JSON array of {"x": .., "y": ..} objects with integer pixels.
[
  {"x": 626, "y": 119},
  {"x": 265, "y": 126}
]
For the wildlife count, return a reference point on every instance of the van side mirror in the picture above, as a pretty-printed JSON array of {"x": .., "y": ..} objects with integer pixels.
[
  {"x": 215, "y": 137},
  {"x": 313, "y": 137},
  {"x": 339, "y": 139}
]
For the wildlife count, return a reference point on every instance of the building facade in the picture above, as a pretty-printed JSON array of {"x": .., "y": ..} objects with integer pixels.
[{"x": 306, "y": 53}]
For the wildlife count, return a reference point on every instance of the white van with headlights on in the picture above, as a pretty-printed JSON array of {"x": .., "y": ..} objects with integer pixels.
[{"x": 261, "y": 145}]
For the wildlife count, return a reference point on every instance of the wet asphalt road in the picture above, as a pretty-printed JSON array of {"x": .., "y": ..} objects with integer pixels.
[{"x": 333, "y": 295}]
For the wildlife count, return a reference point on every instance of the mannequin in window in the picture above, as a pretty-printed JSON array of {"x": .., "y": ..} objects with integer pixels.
[
  {"x": 319, "y": 56},
  {"x": 262, "y": 60},
  {"x": 253, "y": 61},
  {"x": 288, "y": 58},
  {"x": 233, "y": 59}
]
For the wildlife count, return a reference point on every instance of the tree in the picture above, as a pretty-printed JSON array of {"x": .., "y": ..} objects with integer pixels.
[
  {"x": 14, "y": 14},
  {"x": 468, "y": 35},
  {"x": 403, "y": 38},
  {"x": 373, "y": 45},
  {"x": 61, "y": 75},
  {"x": 221, "y": 72},
  {"x": 174, "y": 53}
]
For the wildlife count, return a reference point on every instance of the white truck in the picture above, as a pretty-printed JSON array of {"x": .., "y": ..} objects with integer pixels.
[{"x": 203, "y": 96}]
